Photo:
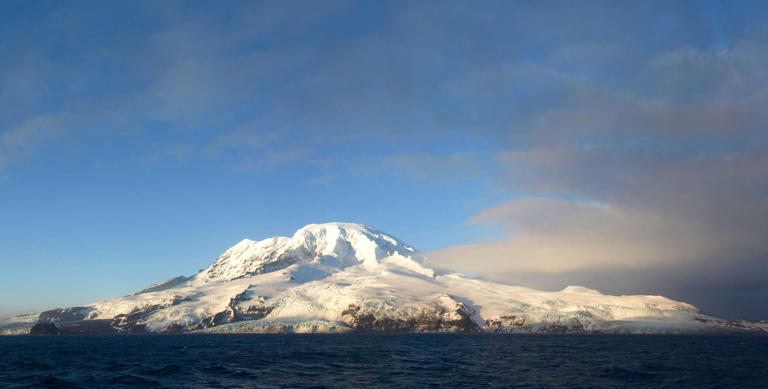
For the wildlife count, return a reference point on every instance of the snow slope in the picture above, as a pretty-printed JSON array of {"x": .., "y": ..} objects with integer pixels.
[
  {"x": 338, "y": 277},
  {"x": 328, "y": 247}
]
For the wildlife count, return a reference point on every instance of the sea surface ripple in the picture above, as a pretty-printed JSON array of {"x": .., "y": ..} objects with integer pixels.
[{"x": 383, "y": 360}]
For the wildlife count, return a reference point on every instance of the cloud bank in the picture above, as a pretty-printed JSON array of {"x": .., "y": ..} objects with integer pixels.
[{"x": 659, "y": 187}]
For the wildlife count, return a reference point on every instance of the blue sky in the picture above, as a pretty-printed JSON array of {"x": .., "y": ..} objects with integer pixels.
[{"x": 139, "y": 140}]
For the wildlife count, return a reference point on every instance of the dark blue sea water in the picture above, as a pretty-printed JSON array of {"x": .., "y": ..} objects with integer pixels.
[{"x": 384, "y": 360}]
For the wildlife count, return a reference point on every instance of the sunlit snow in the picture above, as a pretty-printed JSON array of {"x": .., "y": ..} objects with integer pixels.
[{"x": 337, "y": 277}]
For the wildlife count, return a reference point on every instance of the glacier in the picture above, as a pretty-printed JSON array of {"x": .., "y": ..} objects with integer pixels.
[{"x": 344, "y": 277}]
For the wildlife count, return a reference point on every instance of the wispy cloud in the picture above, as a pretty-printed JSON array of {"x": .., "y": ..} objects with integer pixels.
[{"x": 26, "y": 138}]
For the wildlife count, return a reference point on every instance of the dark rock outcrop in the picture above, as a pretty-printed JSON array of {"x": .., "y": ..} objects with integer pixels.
[
  {"x": 431, "y": 318},
  {"x": 87, "y": 327},
  {"x": 132, "y": 322},
  {"x": 45, "y": 329},
  {"x": 504, "y": 323},
  {"x": 234, "y": 312},
  {"x": 62, "y": 315},
  {"x": 573, "y": 323}
]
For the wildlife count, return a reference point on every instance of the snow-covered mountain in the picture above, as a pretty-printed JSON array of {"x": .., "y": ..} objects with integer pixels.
[{"x": 340, "y": 277}]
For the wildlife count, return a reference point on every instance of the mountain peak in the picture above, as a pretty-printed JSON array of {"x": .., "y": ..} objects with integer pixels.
[
  {"x": 333, "y": 245},
  {"x": 313, "y": 227}
]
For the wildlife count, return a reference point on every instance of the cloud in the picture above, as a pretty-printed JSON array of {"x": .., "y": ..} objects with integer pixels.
[
  {"x": 679, "y": 99},
  {"x": 653, "y": 183},
  {"x": 694, "y": 221},
  {"x": 726, "y": 187},
  {"x": 555, "y": 235}
]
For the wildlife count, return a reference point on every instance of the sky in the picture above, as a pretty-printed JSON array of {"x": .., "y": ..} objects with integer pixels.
[{"x": 617, "y": 145}]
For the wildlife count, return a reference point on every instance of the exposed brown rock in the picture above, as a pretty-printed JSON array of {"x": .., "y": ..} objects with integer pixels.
[{"x": 45, "y": 329}]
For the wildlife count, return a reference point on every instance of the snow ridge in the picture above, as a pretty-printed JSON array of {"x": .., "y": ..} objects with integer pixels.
[{"x": 333, "y": 245}]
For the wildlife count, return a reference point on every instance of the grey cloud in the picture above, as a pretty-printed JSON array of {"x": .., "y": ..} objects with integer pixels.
[
  {"x": 552, "y": 235},
  {"x": 694, "y": 222},
  {"x": 685, "y": 184},
  {"x": 656, "y": 185}
]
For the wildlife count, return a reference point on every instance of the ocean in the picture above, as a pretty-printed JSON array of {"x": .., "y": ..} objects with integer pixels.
[{"x": 383, "y": 360}]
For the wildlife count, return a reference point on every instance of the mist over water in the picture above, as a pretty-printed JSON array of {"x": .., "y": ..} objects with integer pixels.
[{"x": 383, "y": 360}]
